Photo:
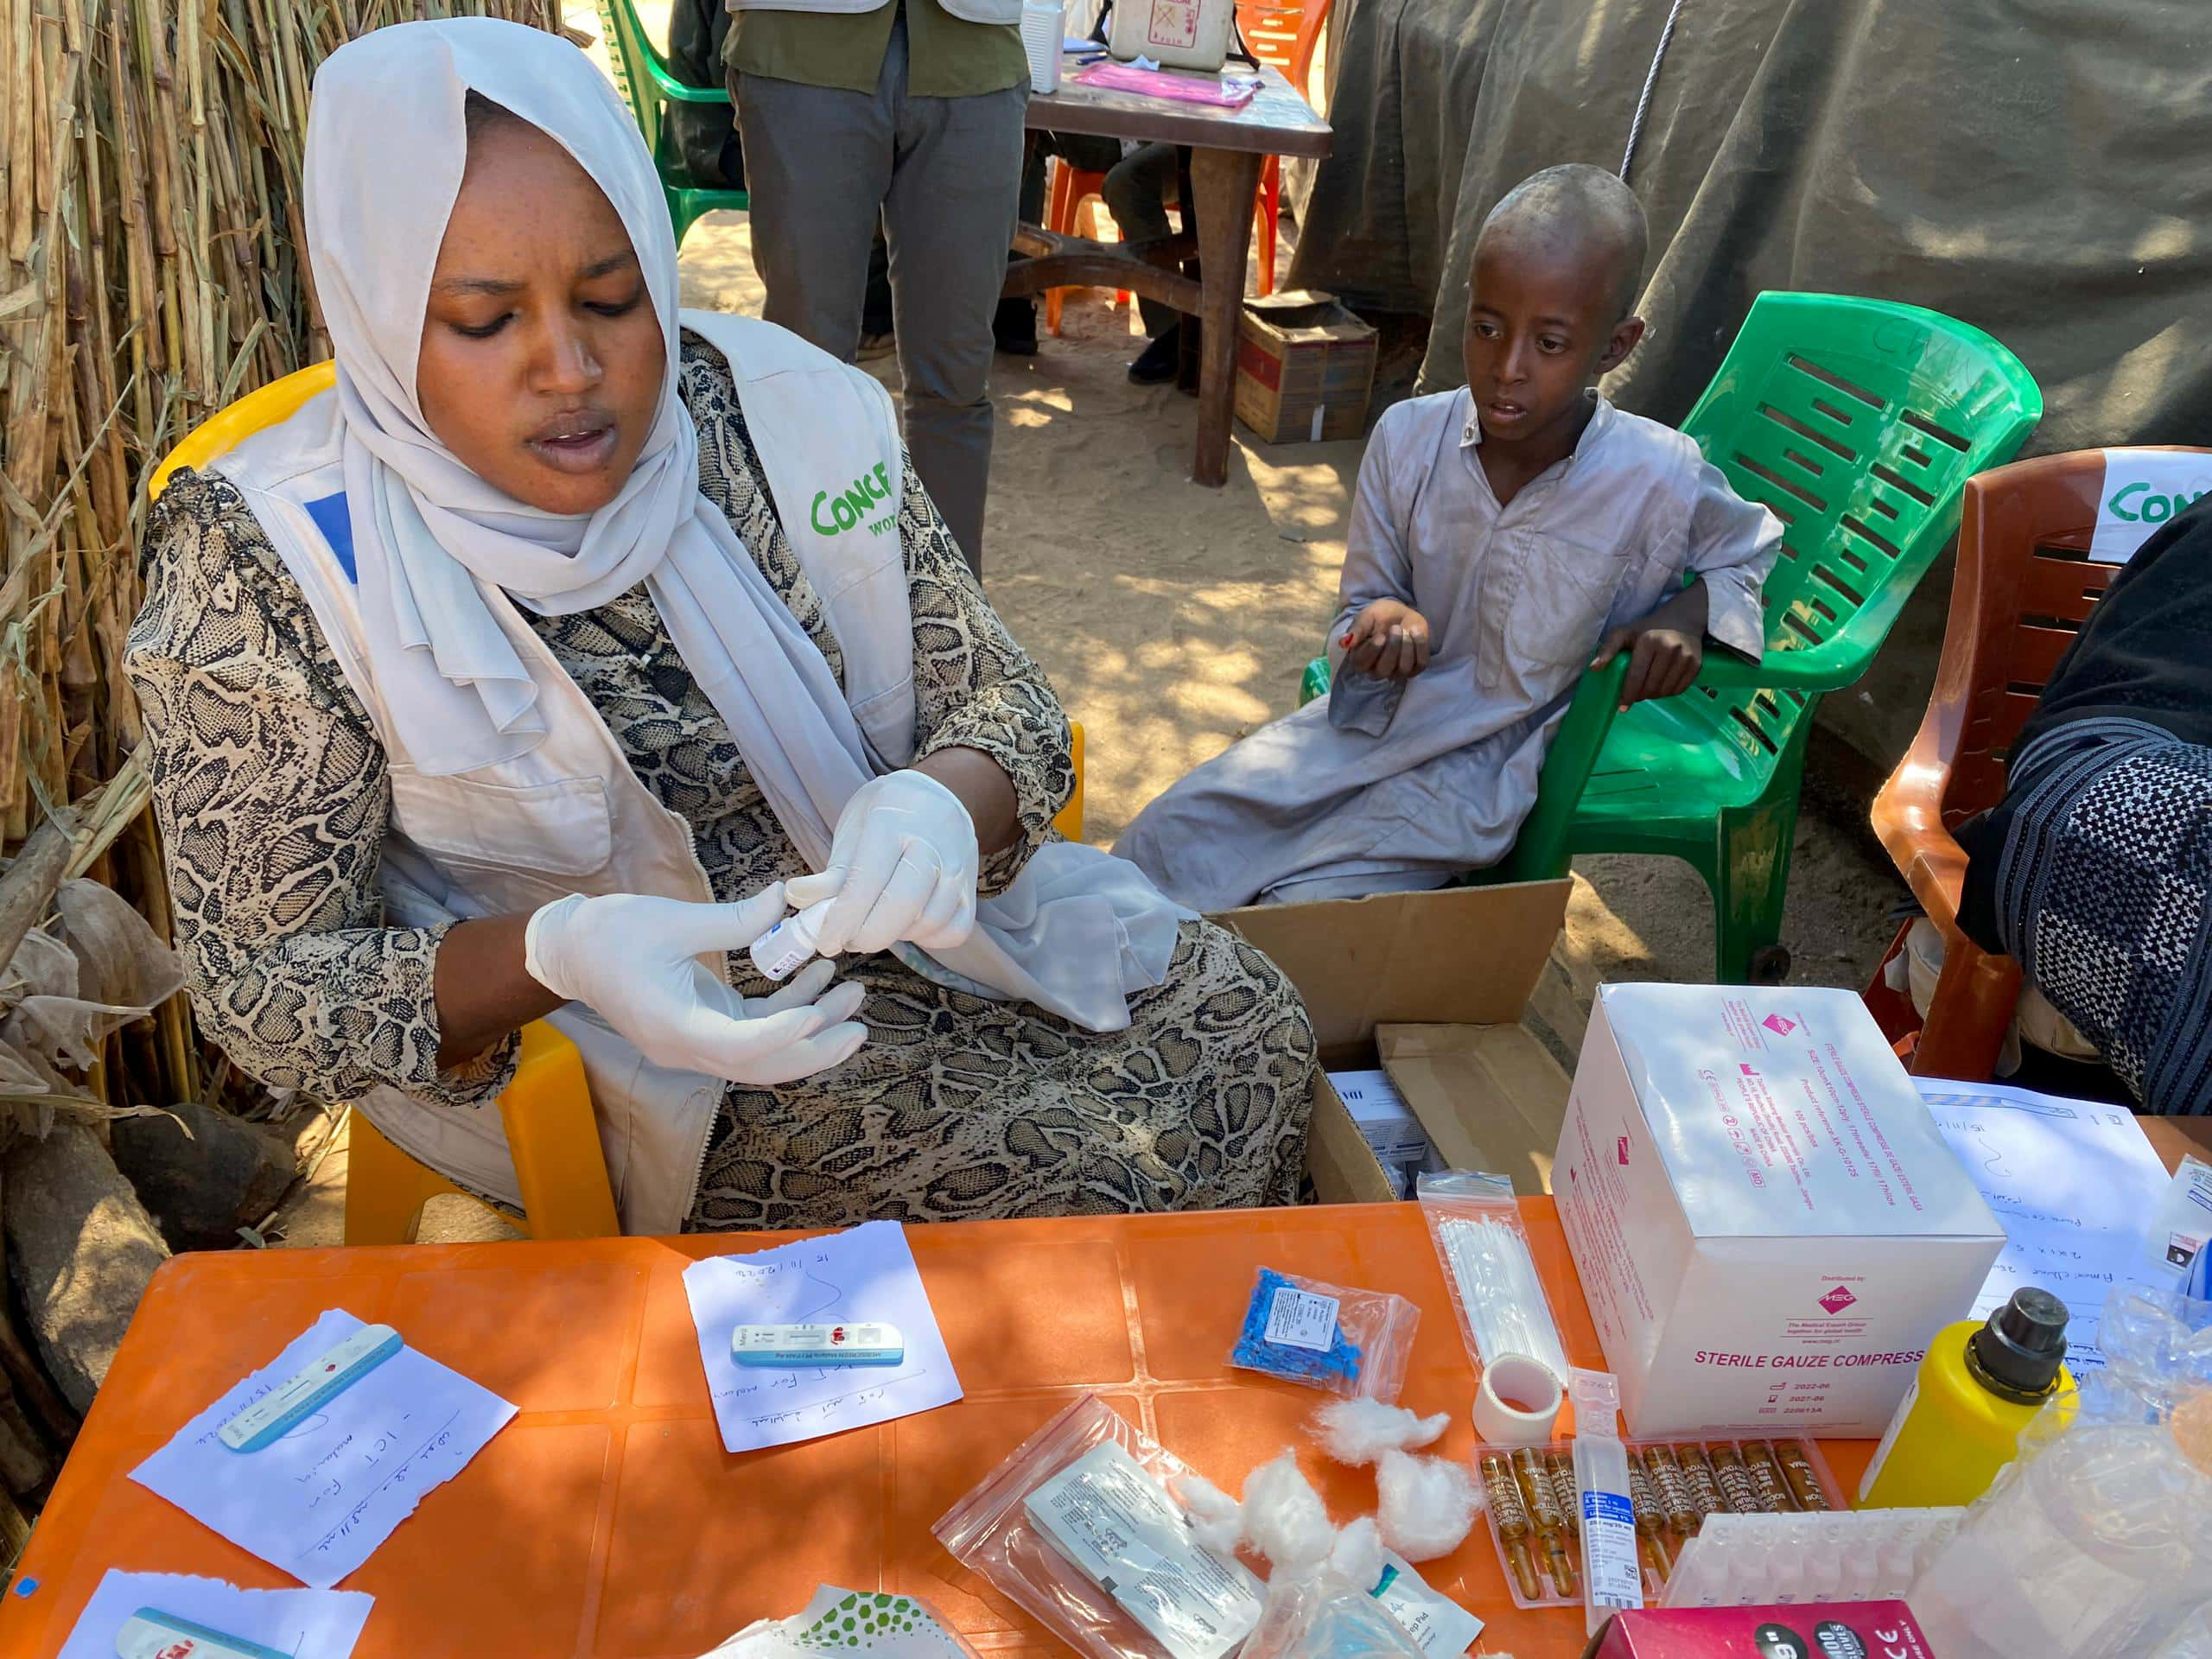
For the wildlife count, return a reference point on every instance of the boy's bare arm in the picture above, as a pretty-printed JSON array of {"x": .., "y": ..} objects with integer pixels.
[{"x": 1668, "y": 647}]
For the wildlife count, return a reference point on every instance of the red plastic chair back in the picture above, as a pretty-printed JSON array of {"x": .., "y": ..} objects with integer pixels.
[{"x": 2026, "y": 586}]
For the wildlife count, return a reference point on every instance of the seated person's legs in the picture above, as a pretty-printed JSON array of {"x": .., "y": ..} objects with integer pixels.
[{"x": 1137, "y": 190}]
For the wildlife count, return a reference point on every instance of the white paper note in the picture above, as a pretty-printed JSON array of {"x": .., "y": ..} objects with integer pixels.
[
  {"x": 865, "y": 1274},
  {"x": 2074, "y": 1182},
  {"x": 306, "y": 1623},
  {"x": 2143, "y": 491},
  {"x": 318, "y": 1501}
]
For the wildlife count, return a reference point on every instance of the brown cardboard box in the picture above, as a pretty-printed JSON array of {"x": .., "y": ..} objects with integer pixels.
[
  {"x": 1490, "y": 1096},
  {"x": 1465, "y": 957},
  {"x": 1305, "y": 367}
]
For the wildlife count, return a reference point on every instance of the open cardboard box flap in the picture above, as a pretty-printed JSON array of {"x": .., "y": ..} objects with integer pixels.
[
  {"x": 1460, "y": 956},
  {"x": 1490, "y": 1096}
]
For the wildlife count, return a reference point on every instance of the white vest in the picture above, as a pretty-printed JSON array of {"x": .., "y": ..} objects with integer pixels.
[
  {"x": 974, "y": 11},
  {"x": 570, "y": 816}
]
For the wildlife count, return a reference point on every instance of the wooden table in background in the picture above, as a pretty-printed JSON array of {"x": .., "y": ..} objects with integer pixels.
[{"x": 1227, "y": 148}]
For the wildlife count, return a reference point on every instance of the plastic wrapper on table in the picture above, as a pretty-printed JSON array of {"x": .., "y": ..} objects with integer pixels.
[{"x": 1348, "y": 1342}]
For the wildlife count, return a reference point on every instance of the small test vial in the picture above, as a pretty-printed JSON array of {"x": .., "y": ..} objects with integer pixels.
[
  {"x": 1673, "y": 1490},
  {"x": 1512, "y": 1521},
  {"x": 787, "y": 947},
  {"x": 1643, "y": 1502},
  {"x": 1735, "y": 1481},
  {"x": 1546, "y": 1516},
  {"x": 1558, "y": 1465},
  {"x": 1697, "y": 1475},
  {"x": 1797, "y": 1470},
  {"x": 1766, "y": 1478}
]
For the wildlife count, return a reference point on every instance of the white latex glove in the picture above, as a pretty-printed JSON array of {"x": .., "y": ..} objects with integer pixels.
[
  {"x": 902, "y": 866},
  {"x": 633, "y": 960}
]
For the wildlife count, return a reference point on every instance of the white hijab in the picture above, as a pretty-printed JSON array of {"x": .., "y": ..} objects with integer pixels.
[{"x": 387, "y": 142}]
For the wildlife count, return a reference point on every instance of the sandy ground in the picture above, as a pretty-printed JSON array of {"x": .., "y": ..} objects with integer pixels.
[{"x": 1173, "y": 620}]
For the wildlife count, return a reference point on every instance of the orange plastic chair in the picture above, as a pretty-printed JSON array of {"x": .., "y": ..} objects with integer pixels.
[
  {"x": 1283, "y": 33},
  {"x": 1072, "y": 188},
  {"x": 2023, "y": 587}
]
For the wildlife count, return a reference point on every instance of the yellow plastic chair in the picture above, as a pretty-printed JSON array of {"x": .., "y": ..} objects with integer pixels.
[{"x": 546, "y": 1109}]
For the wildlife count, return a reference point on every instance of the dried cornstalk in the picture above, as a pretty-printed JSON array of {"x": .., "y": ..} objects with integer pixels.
[{"x": 150, "y": 272}]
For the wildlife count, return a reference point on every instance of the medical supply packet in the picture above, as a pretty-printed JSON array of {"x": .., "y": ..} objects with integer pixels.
[
  {"x": 1080, "y": 1527},
  {"x": 1323, "y": 1335}
]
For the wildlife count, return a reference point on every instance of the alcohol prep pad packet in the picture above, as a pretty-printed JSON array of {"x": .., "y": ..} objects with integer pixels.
[{"x": 1080, "y": 1528}]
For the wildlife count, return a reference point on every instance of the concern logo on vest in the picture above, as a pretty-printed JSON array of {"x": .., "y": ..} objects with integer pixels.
[{"x": 853, "y": 505}]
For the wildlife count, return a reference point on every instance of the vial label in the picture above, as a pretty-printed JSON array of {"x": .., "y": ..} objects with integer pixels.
[{"x": 1611, "y": 1574}]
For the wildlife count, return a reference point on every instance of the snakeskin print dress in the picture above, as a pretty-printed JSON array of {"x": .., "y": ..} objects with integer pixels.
[{"x": 273, "y": 796}]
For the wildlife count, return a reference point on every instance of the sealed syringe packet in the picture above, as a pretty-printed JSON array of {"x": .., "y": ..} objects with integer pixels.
[
  {"x": 1080, "y": 1527},
  {"x": 1474, "y": 1221},
  {"x": 1354, "y": 1343}
]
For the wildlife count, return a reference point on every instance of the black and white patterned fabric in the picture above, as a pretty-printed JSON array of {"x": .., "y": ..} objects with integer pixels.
[{"x": 2104, "y": 892}]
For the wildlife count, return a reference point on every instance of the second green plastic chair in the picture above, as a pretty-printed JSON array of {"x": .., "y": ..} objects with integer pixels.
[
  {"x": 1857, "y": 421},
  {"x": 648, "y": 88}
]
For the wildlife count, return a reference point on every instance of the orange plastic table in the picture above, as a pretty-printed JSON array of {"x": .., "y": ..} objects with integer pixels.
[{"x": 606, "y": 1520}]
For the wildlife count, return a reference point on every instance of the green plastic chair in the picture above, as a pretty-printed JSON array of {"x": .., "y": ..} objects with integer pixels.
[
  {"x": 1541, "y": 852},
  {"x": 1857, "y": 421},
  {"x": 647, "y": 88}
]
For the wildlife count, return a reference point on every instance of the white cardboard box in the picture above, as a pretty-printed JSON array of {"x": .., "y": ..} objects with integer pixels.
[{"x": 1768, "y": 1226}]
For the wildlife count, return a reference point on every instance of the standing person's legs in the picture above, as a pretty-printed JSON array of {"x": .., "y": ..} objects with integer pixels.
[
  {"x": 950, "y": 218},
  {"x": 1137, "y": 191},
  {"x": 817, "y": 160}
]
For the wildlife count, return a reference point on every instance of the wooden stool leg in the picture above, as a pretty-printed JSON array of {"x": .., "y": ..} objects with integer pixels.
[{"x": 385, "y": 1189}]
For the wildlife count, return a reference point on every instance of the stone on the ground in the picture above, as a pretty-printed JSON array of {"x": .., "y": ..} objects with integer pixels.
[
  {"x": 228, "y": 1175},
  {"x": 80, "y": 1248}
]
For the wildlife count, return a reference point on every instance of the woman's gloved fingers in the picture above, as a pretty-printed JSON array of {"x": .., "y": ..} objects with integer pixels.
[
  {"x": 810, "y": 982},
  {"x": 813, "y": 889},
  {"x": 903, "y": 898},
  {"x": 942, "y": 925},
  {"x": 742, "y": 1050},
  {"x": 816, "y": 1053},
  {"x": 842, "y": 1003},
  {"x": 694, "y": 930}
]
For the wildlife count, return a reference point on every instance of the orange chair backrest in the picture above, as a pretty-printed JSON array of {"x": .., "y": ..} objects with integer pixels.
[
  {"x": 2025, "y": 585},
  {"x": 1284, "y": 33}
]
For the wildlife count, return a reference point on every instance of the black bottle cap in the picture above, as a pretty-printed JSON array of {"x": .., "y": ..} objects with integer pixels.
[{"x": 2016, "y": 1354}]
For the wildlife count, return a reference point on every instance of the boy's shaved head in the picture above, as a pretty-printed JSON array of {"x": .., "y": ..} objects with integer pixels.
[{"x": 1576, "y": 212}]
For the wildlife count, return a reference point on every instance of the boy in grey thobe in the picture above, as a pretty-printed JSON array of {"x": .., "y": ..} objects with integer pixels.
[{"x": 1479, "y": 586}]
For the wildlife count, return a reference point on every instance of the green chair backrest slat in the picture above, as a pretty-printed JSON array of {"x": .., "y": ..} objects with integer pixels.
[
  {"x": 641, "y": 73},
  {"x": 1857, "y": 421}
]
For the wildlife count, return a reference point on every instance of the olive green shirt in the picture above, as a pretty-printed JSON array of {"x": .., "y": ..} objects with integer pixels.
[{"x": 946, "y": 56}]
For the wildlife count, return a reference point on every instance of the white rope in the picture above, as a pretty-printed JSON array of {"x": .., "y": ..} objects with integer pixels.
[{"x": 1650, "y": 81}]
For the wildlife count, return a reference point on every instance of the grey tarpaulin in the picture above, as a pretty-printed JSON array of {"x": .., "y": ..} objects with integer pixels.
[{"x": 2042, "y": 168}]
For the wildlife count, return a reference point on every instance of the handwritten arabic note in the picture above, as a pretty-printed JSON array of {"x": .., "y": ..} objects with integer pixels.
[
  {"x": 318, "y": 1501},
  {"x": 865, "y": 1274},
  {"x": 307, "y": 1624},
  {"x": 2075, "y": 1182}
]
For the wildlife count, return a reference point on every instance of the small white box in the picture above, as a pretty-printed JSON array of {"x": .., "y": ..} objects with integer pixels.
[
  {"x": 1768, "y": 1226},
  {"x": 1386, "y": 1122}
]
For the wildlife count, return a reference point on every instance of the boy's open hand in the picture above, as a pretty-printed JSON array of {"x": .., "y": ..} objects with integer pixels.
[{"x": 1388, "y": 639}]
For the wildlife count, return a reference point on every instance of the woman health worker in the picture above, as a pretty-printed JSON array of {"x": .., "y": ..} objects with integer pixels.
[{"x": 533, "y": 670}]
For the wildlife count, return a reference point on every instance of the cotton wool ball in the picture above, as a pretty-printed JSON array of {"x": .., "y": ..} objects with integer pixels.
[
  {"x": 1284, "y": 1517},
  {"x": 1217, "y": 1519},
  {"x": 1360, "y": 1431},
  {"x": 1427, "y": 1504},
  {"x": 1357, "y": 1557}
]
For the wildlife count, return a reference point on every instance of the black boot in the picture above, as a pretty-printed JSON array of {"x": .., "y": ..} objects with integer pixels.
[
  {"x": 1157, "y": 364},
  {"x": 1013, "y": 328}
]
